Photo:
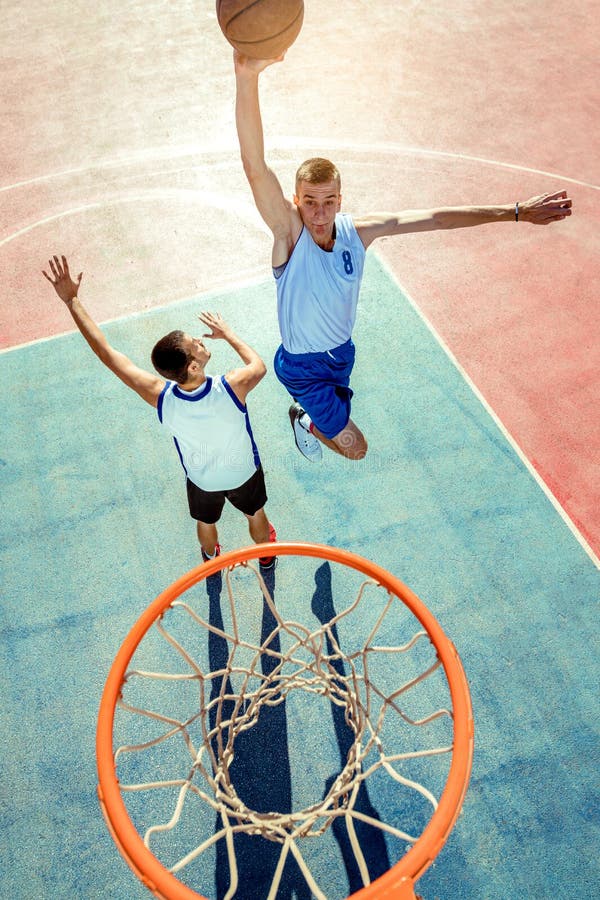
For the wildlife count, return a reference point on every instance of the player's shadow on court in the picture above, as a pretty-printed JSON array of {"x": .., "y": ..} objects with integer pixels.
[
  {"x": 370, "y": 838},
  {"x": 260, "y": 770}
]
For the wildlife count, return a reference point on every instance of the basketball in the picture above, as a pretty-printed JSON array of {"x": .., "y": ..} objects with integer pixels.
[{"x": 262, "y": 29}]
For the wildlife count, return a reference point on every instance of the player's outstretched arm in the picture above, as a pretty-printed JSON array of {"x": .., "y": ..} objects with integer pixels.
[
  {"x": 539, "y": 210},
  {"x": 147, "y": 385},
  {"x": 241, "y": 380},
  {"x": 278, "y": 213}
]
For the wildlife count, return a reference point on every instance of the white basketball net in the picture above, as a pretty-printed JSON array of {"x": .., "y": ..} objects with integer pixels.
[{"x": 263, "y": 673}]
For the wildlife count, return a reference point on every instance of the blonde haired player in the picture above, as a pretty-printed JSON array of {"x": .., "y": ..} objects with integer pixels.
[{"x": 318, "y": 257}]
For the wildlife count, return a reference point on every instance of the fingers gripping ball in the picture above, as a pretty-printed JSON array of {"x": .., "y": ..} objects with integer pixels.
[{"x": 262, "y": 29}]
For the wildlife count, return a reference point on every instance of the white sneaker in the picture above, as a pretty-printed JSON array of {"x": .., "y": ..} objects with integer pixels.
[{"x": 307, "y": 443}]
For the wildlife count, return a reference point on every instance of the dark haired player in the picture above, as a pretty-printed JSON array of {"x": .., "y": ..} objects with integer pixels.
[{"x": 206, "y": 415}]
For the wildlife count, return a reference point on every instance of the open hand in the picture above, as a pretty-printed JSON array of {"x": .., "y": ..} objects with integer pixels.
[
  {"x": 217, "y": 324},
  {"x": 62, "y": 282},
  {"x": 546, "y": 208}
]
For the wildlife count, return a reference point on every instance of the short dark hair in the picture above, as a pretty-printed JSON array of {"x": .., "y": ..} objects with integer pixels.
[{"x": 170, "y": 359}]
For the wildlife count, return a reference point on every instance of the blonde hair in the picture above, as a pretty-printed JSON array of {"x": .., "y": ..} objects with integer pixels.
[{"x": 318, "y": 171}]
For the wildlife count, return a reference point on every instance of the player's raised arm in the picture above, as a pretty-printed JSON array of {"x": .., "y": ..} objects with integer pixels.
[
  {"x": 241, "y": 380},
  {"x": 539, "y": 210},
  {"x": 279, "y": 214},
  {"x": 147, "y": 385}
]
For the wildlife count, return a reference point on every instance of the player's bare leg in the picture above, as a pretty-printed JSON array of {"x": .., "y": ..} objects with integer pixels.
[
  {"x": 262, "y": 532},
  {"x": 350, "y": 442},
  {"x": 258, "y": 525},
  {"x": 208, "y": 537}
]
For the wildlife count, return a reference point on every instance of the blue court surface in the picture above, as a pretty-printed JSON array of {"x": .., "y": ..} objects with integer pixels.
[{"x": 95, "y": 525}]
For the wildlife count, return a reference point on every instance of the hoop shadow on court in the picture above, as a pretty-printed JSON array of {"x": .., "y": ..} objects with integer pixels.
[
  {"x": 261, "y": 771},
  {"x": 371, "y": 839}
]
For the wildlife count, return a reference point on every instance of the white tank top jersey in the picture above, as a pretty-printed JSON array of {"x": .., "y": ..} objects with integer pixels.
[
  {"x": 212, "y": 433},
  {"x": 317, "y": 292}
]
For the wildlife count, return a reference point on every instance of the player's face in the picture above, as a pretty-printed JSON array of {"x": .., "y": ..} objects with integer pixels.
[
  {"x": 198, "y": 350},
  {"x": 318, "y": 205}
]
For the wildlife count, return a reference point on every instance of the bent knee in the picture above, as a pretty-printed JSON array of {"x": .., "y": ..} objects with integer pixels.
[
  {"x": 352, "y": 444},
  {"x": 360, "y": 450}
]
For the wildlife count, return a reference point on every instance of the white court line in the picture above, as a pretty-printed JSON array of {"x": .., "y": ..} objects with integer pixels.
[
  {"x": 247, "y": 278},
  {"x": 493, "y": 415},
  {"x": 242, "y": 209},
  {"x": 392, "y": 148},
  {"x": 134, "y": 160},
  {"x": 260, "y": 278},
  {"x": 238, "y": 206},
  {"x": 293, "y": 143},
  {"x": 228, "y": 203}
]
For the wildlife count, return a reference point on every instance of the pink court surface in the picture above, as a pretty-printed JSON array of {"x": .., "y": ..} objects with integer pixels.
[{"x": 119, "y": 150}]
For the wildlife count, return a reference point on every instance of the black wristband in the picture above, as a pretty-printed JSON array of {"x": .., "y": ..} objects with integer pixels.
[{"x": 517, "y": 211}]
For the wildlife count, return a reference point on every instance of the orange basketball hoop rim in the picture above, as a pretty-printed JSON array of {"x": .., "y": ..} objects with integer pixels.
[{"x": 397, "y": 883}]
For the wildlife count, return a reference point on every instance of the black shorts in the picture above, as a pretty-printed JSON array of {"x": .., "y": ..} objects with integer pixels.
[{"x": 207, "y": 506}]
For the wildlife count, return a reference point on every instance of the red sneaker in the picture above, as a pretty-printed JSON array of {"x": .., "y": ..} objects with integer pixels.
[{"x": 266, "y": 562}]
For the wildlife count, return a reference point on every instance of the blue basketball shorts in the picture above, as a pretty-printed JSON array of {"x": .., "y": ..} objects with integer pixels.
[{"x": 319, "y": 382}]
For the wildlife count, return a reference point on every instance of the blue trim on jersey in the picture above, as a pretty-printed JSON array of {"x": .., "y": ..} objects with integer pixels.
[
  {"x": 241, "y": 406},
  {"x": 159, "y": 405},
  {"x": 252, "y": 441},
  {"x": 184, "y": 395},
  {"x": 180, "y": 456},
  {"x": 243, "y": 409}
]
